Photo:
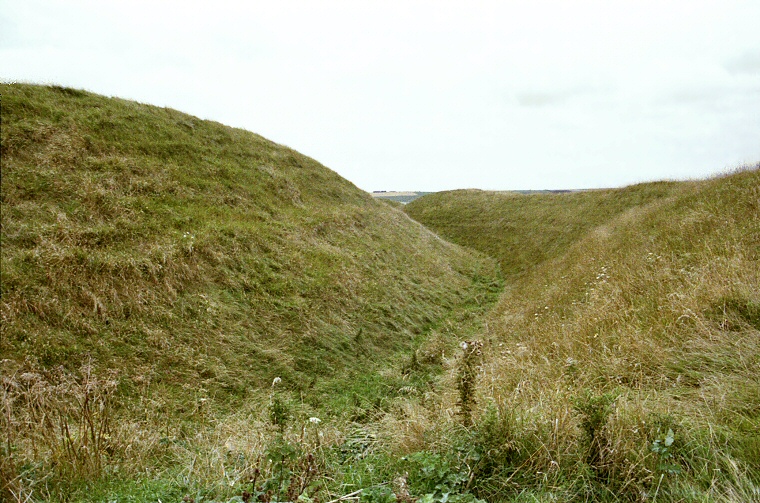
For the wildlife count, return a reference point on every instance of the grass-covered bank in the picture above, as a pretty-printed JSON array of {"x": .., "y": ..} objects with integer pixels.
[
  {"x": 522, "y": 230},
  {"x": 160, "y": 271},
  {"x": 193, "y": 313},
  {"x": 624, "y": 363}
]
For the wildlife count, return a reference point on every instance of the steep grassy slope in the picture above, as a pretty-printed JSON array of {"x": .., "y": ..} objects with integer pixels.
[
  {"x": 624, "y": 363},
  {"x": 522, "y": 230},
  {"x": 188, "y": 264},
  {"x": 187, "y": 251}
]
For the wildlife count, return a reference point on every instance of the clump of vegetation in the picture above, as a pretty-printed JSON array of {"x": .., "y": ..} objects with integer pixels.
[
  {"x": 594, "y": 410},
  {"x": 64, "y": 417},
  {"x": 467, "y": 374},
  {"x": 279, "y": 411}
]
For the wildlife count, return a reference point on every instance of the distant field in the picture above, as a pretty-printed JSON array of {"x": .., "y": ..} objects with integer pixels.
[{"x": 401, "y": 197}]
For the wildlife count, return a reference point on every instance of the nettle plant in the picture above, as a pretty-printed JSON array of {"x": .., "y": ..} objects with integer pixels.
[
  {"x": 290, "y": 468},
  {"x": 663, "y": 448}
]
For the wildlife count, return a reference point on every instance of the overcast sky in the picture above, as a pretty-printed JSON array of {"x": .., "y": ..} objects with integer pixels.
[{"x": 428, "y": 95}]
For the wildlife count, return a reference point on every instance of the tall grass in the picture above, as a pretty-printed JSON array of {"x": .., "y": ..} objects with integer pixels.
[{"x": 627, "y": 368}]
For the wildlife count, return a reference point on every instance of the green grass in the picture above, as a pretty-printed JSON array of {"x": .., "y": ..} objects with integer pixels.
[
  {"x": 159, "y": 272},
  {"x": 522, "y": 230},
  {"x": 192, "y": 263},
  {"x": 622, "y": 360},
  {"x": 141, "y": 234}
]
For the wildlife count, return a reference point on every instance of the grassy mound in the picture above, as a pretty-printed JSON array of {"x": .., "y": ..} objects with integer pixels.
[
  {"x": 178, "y": 266},
  {"x": 185, "y": 251},
  {"x": 522, "y": 230},
  {"x": 623, "y": 363}
]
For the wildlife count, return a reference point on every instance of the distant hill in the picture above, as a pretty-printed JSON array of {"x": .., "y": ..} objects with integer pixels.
[
  {"x": 401, "y": 197},
  {"x": 524, "y": 228},
  {"x": 406, "y": 197}
]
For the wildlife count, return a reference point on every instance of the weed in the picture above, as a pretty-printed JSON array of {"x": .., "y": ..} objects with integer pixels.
[
  {"x": 282, "y": 456},
  {"x": 437, "y": 479},
  {"x": 594, "y": 410},
  {"x": 379, "y": 494},
  {"x": 663, "y": 448},
  {"x": 467, "y": 373},
  {"x": 279, "y": 410}
]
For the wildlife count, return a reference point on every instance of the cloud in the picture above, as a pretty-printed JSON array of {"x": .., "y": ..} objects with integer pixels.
[
  {"x": 410, "y": 94},
  {"x": 748, "y": 63},
  {"x": 538, "y": 99}
]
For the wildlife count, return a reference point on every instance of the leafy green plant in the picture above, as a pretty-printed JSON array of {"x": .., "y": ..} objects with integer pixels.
[
  {"x": 378, "y": 494},
  {"x": 292, "y": 471},
  {"x": 663, "y": 447},
  {"x": 279, "y": 409},
  {"x": 433, "y": 475},
  {"x": 281, "y": 456}
]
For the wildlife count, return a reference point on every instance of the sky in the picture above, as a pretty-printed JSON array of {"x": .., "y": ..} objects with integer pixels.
[{"x": 428, "y": 95}]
